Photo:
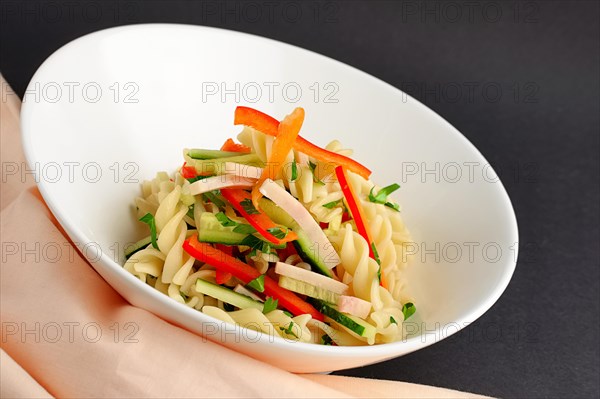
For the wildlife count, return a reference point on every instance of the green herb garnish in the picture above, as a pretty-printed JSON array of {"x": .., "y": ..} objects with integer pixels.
[
  {"x": 224, "y": 220},
  {"x": 376, "y": 257},
  {"x": 332, "y": 204},
  {"x": 149, "y": 220},
  {"x": 313, "y": 168},
  {"x": 381, "y": 197},
  {"x": 252, "y": 242},
  {"x": 195, "y": 179},
  {"x": 278, "y": 232},
  {"x": 270, "y": 305},
  {"x": 294, "y": 171},
  {"x": 392, "y": 320},
  {"x": 249, "y": 207},
  {"x": 408, "y": 310},
  {"x": 213, "y": 196},
  {"x": 288, "y": 330},
  {"x": 375, "y": 253},
  {"x": 258, "y": 283},
  {"x": 288, "y": 314},
  {"x": 256, "y": 244},
  {"x": 392, "y": 205},
  {"x": 326, "y": 340},
  {"x": 243, "y": 228}
]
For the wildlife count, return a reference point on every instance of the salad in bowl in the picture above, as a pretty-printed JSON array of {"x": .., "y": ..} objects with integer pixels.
[{"x": 278, "y": 235}]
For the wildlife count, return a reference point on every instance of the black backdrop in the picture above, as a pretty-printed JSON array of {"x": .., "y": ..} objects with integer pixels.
[{"x": 519, "y": 79}]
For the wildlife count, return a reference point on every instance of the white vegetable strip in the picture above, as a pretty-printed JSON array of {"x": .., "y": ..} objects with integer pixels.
[
  {"x": 354, "y": 306},
  {"x": 238, "y": 169},
  {"x": 219, "y": 182},
  {"x": 240, "y": 289},
  {"x": 300, "y": 214},
  {"x": 318, "y": 280}
]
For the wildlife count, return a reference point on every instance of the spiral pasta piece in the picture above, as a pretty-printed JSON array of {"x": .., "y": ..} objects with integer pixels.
[
  {"x": 144, "y": 263},
  {"x": 354, "y": 255},
  {"x": 274, "y": 323}
]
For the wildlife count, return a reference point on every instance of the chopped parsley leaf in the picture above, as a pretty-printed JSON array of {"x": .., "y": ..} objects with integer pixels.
[
  {"x": 326, "y": 340},
  {"x": 278, "y": 232},
  {"x": 195, "y": 179},
  {"x": 224, "y": 220},
  {"x": 408, "y": 310},
  {"x": 252, "y": 242},
  {"x": 375, "y": 253},
  {"x": 149, "y": 220},
  {"x": 270, "y": 305},
  {"x": 256, "y": 243},
  {"x": 381, "y": 196},
  {"x": 395, "y": 207},
  {"x": 258, "y": 283},
  {"x": 213, "y": 196},
  {"x": 332, "y": 204},
  {"x": 313, "y": 168},
  {"x": 249, "y": 207},
  {"x": 289, "y": 330},
  {"x": 294, "y": 171},
  {"x": 243, "y": 228}
]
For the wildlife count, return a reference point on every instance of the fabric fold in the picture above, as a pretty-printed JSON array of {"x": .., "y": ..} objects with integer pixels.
[{"x": 16, "y": 382}]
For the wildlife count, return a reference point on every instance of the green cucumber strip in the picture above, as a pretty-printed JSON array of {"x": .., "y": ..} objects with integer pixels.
[
  {"x": 304, "y": 288},
  {"x": 211, "y": 230},
  {"x": 217, "y": 166},
  {"x": 303, "y": 244},
  {"x": 276, "y": 214},
  {"x": 226, "y": 295},
  {"x": 304, "y": 247},
  {"x": 353, "y": 323},
  {"x": 138, "y": 246},
  {"x": 258, "y": 283},
  {"x": 196, "y": 153}
]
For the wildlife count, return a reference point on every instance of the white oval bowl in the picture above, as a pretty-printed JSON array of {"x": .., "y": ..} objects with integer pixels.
[{"x": 173, "y": 72}]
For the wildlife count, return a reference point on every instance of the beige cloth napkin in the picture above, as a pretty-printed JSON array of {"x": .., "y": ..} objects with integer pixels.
[{"x": 67, "y": 333}]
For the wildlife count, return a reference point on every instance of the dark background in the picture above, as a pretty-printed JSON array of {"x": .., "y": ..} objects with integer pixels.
[{"x": 519, "y": 79}]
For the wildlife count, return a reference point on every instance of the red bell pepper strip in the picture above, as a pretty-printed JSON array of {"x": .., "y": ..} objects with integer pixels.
[
  {"x": 287, "y": 131},
  {"x": 231, "y": 146},
  {"x": 268, "y": 125},
  {"x": 222, "y": 277},
  {"x": 357, "y": 214},
  {"x": 288, "y": 251},
  {"x": 228, "y": 249},
  {"x": 241, "y": 200},
  {"x": 188, "y": 172},
  {"x": 204, "y": 252},
  {"x": 258, "y": 120}
]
